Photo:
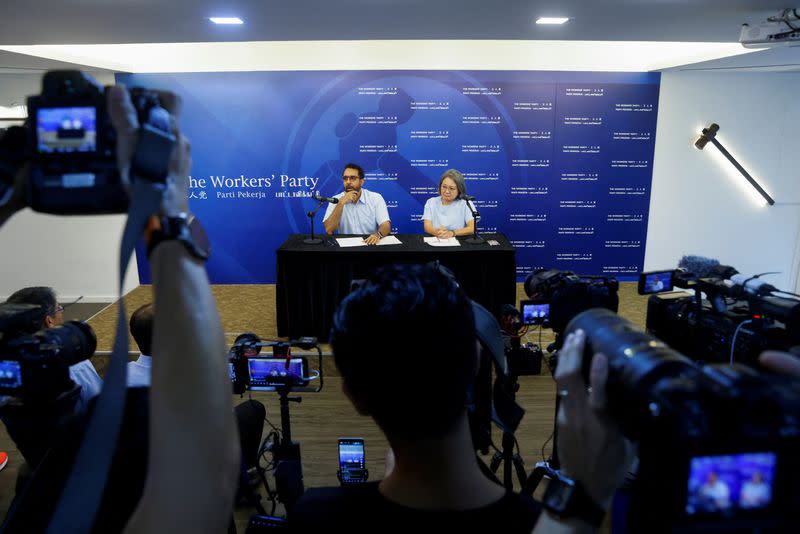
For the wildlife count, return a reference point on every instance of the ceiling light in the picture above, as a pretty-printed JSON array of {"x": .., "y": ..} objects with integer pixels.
[
  {"x": 226, "y": 20},
  {"x": 552, "y": 20}
]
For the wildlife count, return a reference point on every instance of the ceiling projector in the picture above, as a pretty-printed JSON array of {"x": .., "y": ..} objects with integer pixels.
[{"x": 782, "y": 29}]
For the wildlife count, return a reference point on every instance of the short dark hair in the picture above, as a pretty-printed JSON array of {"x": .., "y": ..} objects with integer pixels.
[
  {"x": 42, "y": 296},
  {"x": 356, "y": 167},
  {"x": 405, "y": 346},
  {"x": 141, "y": 325}
]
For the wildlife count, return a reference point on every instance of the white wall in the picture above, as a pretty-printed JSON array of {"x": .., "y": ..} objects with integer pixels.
[
  {"x": 75, "y": 255},
  {"x": 700, "y": 204}
]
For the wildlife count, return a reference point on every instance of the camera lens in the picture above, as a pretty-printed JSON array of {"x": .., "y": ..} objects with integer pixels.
[{"x": 75, "y": 341}]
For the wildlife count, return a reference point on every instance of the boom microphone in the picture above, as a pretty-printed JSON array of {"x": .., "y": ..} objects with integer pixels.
[
  {"x": 319, "y": 197},
  {"x": 703, "y": 267}
]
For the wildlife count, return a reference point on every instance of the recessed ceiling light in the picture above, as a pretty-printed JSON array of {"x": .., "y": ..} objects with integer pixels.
[
  {"x": 552, "y": 20},
  {"x": 226, "y": 20}
]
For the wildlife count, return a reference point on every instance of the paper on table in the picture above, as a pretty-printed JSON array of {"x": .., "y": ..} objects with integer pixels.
[
  {"x": 351, "y": 241},
  {"x": 359, "y": 241},
  {"x": 390, "y": 240},
  {"x": 436, "y": 242}
]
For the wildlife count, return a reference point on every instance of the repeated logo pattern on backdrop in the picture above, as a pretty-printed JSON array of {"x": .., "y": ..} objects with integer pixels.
[{"x": 560, "y": 162}]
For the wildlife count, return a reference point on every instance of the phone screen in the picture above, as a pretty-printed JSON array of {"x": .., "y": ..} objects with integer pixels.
[
  {"x": 268, "y": 373},
  {"x": 352, "y": 465}
]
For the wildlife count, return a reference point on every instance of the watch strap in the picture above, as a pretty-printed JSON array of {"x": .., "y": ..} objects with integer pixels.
[
  {"x": 166, "y": 228},
  {"x": 568, "y": 499}
]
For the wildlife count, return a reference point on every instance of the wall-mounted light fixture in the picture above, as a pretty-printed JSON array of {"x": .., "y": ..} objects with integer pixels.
[{"x": 710, "y": 135}]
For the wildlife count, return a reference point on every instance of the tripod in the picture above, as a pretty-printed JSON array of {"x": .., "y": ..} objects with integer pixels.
[
  {"x": 509, "y": 459},
  {"x": 506, "y": 456},
  {"x": 286, "y": 456},
  {"x": 311, "y": 240}
]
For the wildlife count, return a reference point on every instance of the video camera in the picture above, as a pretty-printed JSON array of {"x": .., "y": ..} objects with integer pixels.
[
  {"x": 523, "y": 360},
  {"x": 35, "y": 367},
  {"x": 70, "y": 144},
  {"x": 739, "y": 318},
  {"x": 707, "y": 435},
  {"x": 558, "y": 296},
  {"x": 279, "y": 371}
]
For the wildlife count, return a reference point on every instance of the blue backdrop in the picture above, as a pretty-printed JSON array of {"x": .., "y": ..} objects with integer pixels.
[{"x": 561, "y": 162}]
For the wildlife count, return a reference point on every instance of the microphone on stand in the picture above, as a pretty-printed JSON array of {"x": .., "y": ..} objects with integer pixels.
[{"x": 320, "y": 198}]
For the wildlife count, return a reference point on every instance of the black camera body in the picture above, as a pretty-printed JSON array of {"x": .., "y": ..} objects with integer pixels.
[
  {"x": 35, "y": 367},
  {"x": 70, "y": 143},
  {"x": 706, "y": 434},
  {"x": 729, "y": 325},
  {"x": 569, "y": 294},
  {"x": 72, "y": 146}
]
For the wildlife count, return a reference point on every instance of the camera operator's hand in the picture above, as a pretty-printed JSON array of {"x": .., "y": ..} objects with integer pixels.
[
  {"x": 591, "y": 448},
  {"x": 780, "y": 362},
  {"x": 123, "y": 117}
]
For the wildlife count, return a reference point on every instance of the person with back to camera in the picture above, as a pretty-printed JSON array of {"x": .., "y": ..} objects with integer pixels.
[
  {"x": 359, "y": 211},
  {"x": 448, "y": 215},
  {"x": 420, "y": 406}
]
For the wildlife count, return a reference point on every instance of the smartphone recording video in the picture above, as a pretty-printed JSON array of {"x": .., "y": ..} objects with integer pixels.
[{"x": 352, "y": 464}]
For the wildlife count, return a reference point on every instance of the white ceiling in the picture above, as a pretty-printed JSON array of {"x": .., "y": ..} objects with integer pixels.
[
  {"x": 161, "y": 21},
  {"x": 271, "y": 25}
]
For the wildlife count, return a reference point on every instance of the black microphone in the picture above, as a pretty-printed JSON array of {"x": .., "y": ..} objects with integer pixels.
[
  {"x": 467, "y": 197},
  {"x": 319, "y": 197}
]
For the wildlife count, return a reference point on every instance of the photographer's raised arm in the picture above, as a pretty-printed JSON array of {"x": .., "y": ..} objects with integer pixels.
[
  {"x": 193, "y": 447},
  {"x": 194, "y": 453}
]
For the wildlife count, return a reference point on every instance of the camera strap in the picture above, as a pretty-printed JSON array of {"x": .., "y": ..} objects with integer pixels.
[{"x": 83, "y": 491}]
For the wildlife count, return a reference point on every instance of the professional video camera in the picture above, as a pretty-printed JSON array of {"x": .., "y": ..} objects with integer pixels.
[
  {"x": 739, "y": 318},
  {"x": 71, "y": 146},
  {"x": 35, "y": 367},
  {"x": 566, "y": 295},
  {"x": 717, "y": 444},
  {"x": 525, "y": 359}
]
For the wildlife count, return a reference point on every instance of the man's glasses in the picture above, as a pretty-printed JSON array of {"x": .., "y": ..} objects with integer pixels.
[
  {"x": 58, "y": 309},
  {"x": 351, "y": 177}
]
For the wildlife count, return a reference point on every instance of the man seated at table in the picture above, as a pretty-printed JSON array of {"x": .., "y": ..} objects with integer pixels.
[{"x": 359, "y": 211}]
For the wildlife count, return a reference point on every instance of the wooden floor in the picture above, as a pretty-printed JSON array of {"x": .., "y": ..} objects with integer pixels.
[{"x": 322, "y": 417}]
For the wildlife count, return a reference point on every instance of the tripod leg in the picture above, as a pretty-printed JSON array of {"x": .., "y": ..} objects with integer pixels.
[{"x": 519, "y": 465}]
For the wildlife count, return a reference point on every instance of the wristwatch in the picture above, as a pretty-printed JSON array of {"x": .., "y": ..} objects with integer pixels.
[
  {"x": 177, "y": 227},
  {"x": 568, "y": 499}
]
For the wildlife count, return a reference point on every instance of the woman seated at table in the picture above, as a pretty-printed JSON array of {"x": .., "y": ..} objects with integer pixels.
[{"x": 448, "y": 215}]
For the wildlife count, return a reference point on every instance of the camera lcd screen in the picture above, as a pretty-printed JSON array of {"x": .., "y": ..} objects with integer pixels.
[
  {"x": 718, "y": 484},
  {"x": 267, "y": 373},
  {"x": 10, "y": 375},
  {"x": 351, "y": 459},
  {"x": 534, "y": 312},
  {"x": 65, "y": 130},
  {"x": 655, "y": 282}
]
